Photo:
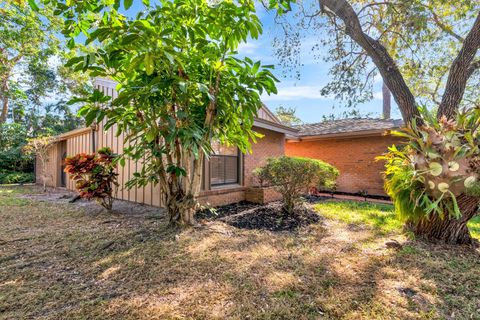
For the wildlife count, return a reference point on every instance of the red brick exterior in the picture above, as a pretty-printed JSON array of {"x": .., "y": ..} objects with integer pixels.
[
  {"x": 262, "y": 195},
  {"x": 354, "y": 157},
  {"x": 272, "y": 144}
]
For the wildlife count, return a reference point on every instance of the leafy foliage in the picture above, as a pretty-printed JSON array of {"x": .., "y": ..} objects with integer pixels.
[
  {"x": 10, "y": 177},
  {"x": 436, "y": 30},
  {"x": 94, "y": 175},
  {"x": 180, "y": 85},
  {"x": 292, "y": 176},
  {"x": 287, "y": 116},
  {"x": 438, "y": 164},
  {"x": 27, "y": 41},
  {"x": 13, "y": 138}
]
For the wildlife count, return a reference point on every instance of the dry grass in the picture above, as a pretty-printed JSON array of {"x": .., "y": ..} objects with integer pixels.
[{"x": 60, "y": 261}]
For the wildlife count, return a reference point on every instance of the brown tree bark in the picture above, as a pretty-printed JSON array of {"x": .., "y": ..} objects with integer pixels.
[
  {"x": 5, "y": 102},
  {"x": 387, "y": 102},
  {"x": 460, "y": 72},
  {"x": 434, "y": 228},
  {"x": 449, "y": 230},
  {"x": 379, "y": 55}
]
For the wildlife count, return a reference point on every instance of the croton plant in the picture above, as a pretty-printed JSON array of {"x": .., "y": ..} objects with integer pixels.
[
  {"x": 440, "y": 162},
  {"x": 94, "y": 176}
]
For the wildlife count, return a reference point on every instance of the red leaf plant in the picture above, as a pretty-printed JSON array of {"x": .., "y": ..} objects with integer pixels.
[{"x": 94, "y": 175}]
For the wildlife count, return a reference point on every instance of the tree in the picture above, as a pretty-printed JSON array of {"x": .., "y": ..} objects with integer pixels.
[
  {"x": 287, "y": 116},
  {"x": 366, "y": 32},
  {"x": 26, "y": 43},
  {"x": 180, "y": 86},
  {"x": 40, "y": 148}
]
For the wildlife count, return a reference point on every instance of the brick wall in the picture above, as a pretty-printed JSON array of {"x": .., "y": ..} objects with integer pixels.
[
  {"x": 220, "y": 197},
  {"x": 354, "y": 157},
  {"x": 262, "y": 195},
  {"x": 271, "y": 145}
]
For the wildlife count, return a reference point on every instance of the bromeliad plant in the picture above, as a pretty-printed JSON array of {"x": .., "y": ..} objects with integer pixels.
[
  {"x": 434, "y": 180},
  {"x": 94, "y": 176}
]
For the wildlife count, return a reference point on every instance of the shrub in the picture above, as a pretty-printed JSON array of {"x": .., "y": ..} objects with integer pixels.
[
  {"x": 292, "y": 176},
  {"x": 94, "y": 176},
  {"x": 10, "y": 177}
]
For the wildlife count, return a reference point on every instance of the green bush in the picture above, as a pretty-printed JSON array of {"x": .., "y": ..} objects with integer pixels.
[
  {"x": 10, "y": 177},
  {"x": 292, "y": 176}
]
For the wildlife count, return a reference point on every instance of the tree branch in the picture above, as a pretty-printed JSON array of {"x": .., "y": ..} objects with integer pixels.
[
  {"x": 379, "y": 55},
  {"x": 444, "y": 27},
  {"x": 460, "y": 72}
]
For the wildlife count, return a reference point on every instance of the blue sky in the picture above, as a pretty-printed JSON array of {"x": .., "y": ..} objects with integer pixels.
[{"x": 302, "y": 94}]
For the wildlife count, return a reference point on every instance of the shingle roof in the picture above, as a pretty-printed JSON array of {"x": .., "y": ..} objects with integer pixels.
[{"x": 353, "y": 125}]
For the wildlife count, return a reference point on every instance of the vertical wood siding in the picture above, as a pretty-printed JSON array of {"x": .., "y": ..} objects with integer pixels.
[
  {"x": 81, "y": 143},
  {"x": 108, "y": 138}
]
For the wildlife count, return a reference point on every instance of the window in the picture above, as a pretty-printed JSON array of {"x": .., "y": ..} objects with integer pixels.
[{"x": 224, "y": 163}]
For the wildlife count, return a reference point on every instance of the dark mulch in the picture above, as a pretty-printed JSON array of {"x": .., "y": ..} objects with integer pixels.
[
  {"x": 223, "y": 211},
  {"x": 271, "y": 217},
  {"x": 311, "y": 198}
]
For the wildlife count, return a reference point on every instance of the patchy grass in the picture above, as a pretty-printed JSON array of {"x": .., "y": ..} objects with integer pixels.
[
  {"x": 61, "y": 262},
  {"x": 380, "y": 217}
]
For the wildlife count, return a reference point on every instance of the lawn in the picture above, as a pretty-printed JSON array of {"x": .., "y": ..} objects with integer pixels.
[{"x": 66, "y": 261}]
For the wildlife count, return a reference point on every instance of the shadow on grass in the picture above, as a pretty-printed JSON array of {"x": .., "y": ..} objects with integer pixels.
[{"x": 77, "y": 266}]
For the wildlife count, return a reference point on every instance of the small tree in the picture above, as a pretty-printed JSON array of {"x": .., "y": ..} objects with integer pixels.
[
  {"x": 39, "y": 148},
  {"x": 292, "y": 176},
  {"x": 180, "y": 85},
  {"x": 94, "y": 175}
]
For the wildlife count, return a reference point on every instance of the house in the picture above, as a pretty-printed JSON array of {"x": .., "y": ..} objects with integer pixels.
[
  {"x": 351, "y": 145},
  {"x": 227, "y": 176}
]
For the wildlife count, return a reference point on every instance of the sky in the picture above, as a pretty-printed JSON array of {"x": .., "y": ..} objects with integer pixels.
[{"x": 303, "y": 94}]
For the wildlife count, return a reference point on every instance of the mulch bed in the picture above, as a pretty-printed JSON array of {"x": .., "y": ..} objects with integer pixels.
[{"x": 271, "y": 217}]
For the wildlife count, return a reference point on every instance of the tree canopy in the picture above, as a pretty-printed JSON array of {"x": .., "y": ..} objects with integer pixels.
[
  {"x": 180, "y": 85},
  {"x": 415, "y": 46}
]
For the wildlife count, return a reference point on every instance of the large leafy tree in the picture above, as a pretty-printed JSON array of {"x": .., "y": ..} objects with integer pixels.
[
  {"x": 180, "y": 85},
  {"x": 27, "y": 41},
  {"x": 427, "y": 54}
]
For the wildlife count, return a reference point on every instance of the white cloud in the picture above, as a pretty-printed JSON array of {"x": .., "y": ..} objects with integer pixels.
[
  {"x": 248, "y": 48},
  {"x": 288, "y": 93}
]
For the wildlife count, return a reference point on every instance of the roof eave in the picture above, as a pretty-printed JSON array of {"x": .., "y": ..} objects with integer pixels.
[
  {"x": 341, "y": 135},
  {"x": 276, "y": 127}
]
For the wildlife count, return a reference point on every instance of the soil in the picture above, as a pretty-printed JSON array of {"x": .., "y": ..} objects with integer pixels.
[
  {"x": 270, "y": 217},
  {"x": 120, "y": 207}
]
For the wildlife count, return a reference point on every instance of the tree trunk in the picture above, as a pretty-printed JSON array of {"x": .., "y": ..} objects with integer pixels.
[
  {"x": 4, "y": 98},
  {"x": 381, "y": 58},
  {"x": 180, "y": 208},
  {"x": 387, "y": 102},
  {"x": 448, "y": 230}
]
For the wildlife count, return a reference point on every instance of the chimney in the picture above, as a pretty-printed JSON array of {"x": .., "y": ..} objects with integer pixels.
[{"x": 387, "y": 102}]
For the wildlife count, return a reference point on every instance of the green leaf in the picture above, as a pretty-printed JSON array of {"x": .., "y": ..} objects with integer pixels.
[
  {"x": 33, "y": 5},
  {"x": 151, "y": 136},
  {"x": 148, "y": 63},
  {"x": 127, "y": 4}
]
